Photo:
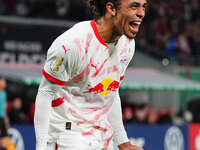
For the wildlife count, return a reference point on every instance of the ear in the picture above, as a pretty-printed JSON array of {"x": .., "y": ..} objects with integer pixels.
[{"x": 110, "y": 7}]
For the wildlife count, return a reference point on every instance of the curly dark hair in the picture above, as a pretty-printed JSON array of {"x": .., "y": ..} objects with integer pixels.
[{"x": 99, "y": 6}]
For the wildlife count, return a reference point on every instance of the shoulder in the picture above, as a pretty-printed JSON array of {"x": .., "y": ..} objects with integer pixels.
[
  {"x": 126, "y": 39},
  {"x": 72, "y": 41},
  {"x": 79, "y": 30},
  {"x": 127, "y": 43}
]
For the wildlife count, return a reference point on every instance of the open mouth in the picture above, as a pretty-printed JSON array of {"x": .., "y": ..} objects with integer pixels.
[{"x": 135, "y": 26}]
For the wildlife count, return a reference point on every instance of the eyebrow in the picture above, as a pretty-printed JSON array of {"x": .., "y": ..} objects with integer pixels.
[{"x": 138, "y": 4}]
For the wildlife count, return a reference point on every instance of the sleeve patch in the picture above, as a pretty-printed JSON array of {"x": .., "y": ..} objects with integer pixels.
[{"x": 57, "y": 66}]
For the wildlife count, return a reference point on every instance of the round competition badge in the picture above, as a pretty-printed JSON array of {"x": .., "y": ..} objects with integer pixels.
[{"x": 57, "y": 66}]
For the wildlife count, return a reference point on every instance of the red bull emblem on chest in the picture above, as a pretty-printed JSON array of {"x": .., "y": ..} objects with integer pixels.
[{"x": 104, "y": 87}]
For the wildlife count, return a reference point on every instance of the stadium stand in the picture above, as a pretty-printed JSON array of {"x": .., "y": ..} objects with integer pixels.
[{"x": 172, "y": 27}]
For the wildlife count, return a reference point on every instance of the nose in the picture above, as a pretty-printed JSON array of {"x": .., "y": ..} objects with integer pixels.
[{"x": 140, "y": 12}]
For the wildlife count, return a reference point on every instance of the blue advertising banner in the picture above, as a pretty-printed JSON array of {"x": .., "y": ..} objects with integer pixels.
[
  {"x": 155, "y": 137},
  {"x": 159, "y": 137},
  {"x": 23, "y": 136}
]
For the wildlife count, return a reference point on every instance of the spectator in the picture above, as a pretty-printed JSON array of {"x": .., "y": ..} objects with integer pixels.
[
  {"x": 4, "y": 139},
  {"x": 2, "y": 7},
  {"x": 32, "y": 111},
  {"x": 22, "y": 8},
  {"x": 184, "y": 48},
  {"x": 16, "y": 115},
  {"x": 62, "y": 8},
  {"x": 152, "y": 116},
  {"x": 141, "y": 115},
  {"x": 128, "y": 114},
  {"x": 165, "y": 116}
]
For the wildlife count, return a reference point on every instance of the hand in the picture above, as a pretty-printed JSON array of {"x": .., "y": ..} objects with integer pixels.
[{"x": 129, "y": 146}]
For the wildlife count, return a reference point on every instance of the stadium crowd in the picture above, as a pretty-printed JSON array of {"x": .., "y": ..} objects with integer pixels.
[
  {"x": 48, "y": 9},
  {"x": 170, "y": 28},
  {"x": 146, "y": 115}
]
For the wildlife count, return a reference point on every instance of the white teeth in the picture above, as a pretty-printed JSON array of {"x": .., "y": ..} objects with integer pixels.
[{"x": 138, "y": 23}]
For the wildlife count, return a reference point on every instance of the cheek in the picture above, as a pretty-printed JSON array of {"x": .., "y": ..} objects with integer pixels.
[
  {"x": 123, "y": 23},
  {"x": 119, "y": 24},
  {"x": 126, "y": 25}
]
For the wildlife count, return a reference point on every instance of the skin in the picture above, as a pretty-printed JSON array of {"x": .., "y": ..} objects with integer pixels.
[
  {"x": 2, "y": 84},
  {"x": 121, "y": 21},
  {"x": 118, "y": 21}
]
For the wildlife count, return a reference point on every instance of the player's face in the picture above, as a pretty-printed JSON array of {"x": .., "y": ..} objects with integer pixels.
[{"x": 129, "y": 17}]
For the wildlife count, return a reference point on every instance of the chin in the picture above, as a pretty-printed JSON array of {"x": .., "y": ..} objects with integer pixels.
[{"x": 131, "y": 36}]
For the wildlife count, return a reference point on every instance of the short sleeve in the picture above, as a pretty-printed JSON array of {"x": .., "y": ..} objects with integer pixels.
[{"x": 61, "y": 62}]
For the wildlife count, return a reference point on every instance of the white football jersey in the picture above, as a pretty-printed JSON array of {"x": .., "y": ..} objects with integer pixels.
[{"x": 90, "y": 71}]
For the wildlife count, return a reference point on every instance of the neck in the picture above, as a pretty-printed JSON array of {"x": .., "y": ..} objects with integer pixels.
[{"x": 107, "y": 30}]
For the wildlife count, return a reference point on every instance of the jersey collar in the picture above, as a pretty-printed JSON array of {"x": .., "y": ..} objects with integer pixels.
[{"x": 96, "y": 32}]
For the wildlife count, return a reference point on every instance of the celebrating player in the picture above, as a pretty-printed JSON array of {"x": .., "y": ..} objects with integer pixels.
[{"x": 78, "y": 105}]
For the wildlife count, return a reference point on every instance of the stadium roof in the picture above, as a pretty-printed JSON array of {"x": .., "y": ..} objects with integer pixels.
[
  {"x": 135, "y": 79},
  {"x": 151, "y": 79},
  {"x": 26, "y": 74}
]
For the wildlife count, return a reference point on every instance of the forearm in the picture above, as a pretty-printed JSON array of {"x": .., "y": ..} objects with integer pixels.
[{"x": 115, "y": 118}]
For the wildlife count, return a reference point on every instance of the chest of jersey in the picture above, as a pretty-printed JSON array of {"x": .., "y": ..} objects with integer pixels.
[{"x": 101, "y": 68}]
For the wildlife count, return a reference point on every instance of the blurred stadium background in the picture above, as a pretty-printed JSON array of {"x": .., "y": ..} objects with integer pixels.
[{"x": 161, "y": 90}]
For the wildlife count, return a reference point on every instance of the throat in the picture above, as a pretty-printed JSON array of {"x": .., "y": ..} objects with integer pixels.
[
  {"x": 114, "y": 40},
  {"x": 107, "y": 32},
  {"x": 111, "y": 47}
]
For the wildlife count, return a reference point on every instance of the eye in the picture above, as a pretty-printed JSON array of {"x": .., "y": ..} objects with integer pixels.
[
  {"x": 134, "y": 6},
  {"x": 145, "y": 6}
]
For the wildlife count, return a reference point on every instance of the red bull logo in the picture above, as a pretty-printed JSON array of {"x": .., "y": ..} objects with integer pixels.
[{"x": 105, "y": 87}]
